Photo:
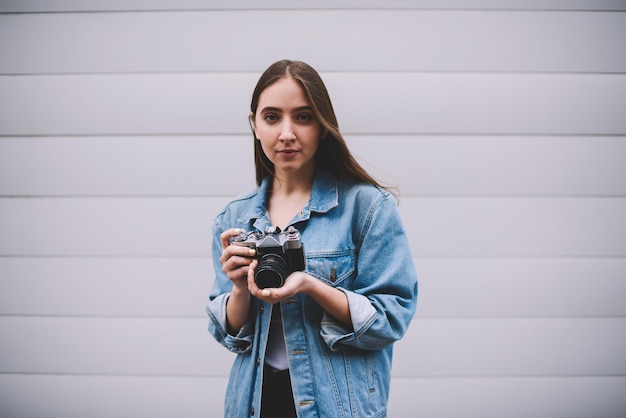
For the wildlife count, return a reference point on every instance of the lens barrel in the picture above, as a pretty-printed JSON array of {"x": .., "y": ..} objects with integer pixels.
[{"x": 271, "y": 271}]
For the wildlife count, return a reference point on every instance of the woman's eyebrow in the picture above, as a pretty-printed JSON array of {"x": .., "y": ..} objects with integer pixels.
[
  {"x": 277, "y": 109},
  {"x": 270, "y": 109}
]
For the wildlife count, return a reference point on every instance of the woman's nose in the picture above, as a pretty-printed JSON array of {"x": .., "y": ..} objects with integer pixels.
[{"x": 286, "y": 133}]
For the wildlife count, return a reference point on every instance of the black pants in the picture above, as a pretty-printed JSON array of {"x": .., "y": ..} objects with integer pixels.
[{"x": 277, "y": 397}]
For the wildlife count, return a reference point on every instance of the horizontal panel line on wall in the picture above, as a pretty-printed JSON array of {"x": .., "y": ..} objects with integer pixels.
[
  {"x": 79, "y": 256},
  {"x": 401, "y": 196},
  {"x": 122, "y": 375},
  {"x": 418, "y": 317},
  {"x": 201, "y": 316},
  {"x": 214, "y": 135},
  {"x": 225, "y": 134},
  {"x": 417, "y": 257},
  {"x": 7, "y": 8},
  {"x": 183, "y": 198},
  {"x": 256, "y": 74},
  {"x": 420, "y": 377},
  {"x": 68, "y": 6},
  {"x": 102, "y": 257},
  {"x": 327, "y": 72}
]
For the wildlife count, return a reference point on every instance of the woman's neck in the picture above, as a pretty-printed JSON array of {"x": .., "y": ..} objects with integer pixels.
[
  {"x": 288, "y": 184},
  {"x": 288, "y": 198}
]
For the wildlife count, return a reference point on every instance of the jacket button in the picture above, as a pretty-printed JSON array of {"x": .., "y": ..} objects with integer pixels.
[{"x": 251, "y": 411}]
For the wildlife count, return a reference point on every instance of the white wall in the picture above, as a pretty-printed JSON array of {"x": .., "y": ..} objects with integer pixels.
[{"x": 123, "y": 132}]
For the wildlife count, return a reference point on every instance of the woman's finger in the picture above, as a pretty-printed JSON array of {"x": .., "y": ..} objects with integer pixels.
[{"x": 227, "y": 235}]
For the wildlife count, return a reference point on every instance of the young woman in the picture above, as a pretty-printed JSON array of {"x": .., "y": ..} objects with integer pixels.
[{"x": 321, "y": 344}]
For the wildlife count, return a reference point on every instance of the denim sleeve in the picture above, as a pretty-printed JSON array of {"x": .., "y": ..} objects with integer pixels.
[
  {"x": 218, "y": 298},
  {"x": 383, "y": 297}
]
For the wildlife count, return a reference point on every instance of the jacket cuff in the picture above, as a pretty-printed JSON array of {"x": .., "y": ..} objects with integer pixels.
[
  {"x": 362, "y": 313},
  {"x": 239, "y": 343}
]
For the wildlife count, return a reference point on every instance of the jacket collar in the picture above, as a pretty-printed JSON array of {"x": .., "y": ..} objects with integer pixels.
[{"x": 324, "y": 197}]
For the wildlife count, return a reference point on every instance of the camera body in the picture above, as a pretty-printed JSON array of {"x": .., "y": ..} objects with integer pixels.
[{"x": 279, "y": 254}]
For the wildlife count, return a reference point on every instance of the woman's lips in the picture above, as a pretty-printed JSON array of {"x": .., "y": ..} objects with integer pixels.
[{"x": 288, "y": 152}]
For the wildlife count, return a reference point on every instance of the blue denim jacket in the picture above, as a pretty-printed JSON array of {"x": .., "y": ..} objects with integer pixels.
[{"x": 354, "y": 240}]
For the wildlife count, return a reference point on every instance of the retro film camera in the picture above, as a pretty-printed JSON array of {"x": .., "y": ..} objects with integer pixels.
[{"x": 279, "y": 254}]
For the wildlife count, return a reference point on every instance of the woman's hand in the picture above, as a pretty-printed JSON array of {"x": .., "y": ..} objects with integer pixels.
[
  {"x": 332, "y": 300},
  {"x": 235, "y": 259},
  {"x": 295, "y": 283}
]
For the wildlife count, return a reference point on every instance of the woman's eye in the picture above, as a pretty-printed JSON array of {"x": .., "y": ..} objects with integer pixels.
[
  {"x": 270, "y": 117},
  {"x": 306, "y": 117}
]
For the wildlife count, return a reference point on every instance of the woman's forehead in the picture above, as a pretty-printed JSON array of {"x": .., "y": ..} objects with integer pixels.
[{"x": 284, "y": 92}]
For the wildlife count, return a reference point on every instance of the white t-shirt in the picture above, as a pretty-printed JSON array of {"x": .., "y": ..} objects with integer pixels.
[{"x": 276, "y": 350}]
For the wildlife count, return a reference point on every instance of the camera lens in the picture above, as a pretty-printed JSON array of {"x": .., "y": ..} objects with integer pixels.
[{"x": 271, "y": 271}]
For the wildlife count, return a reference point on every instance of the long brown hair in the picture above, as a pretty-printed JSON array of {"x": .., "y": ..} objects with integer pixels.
[{"x": 332, "y": 153}]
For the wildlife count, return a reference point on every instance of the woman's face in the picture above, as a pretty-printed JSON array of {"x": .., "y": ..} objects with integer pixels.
[{"x": 287, "y": 128}]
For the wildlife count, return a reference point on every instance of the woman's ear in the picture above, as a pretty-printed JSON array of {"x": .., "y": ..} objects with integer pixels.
[{"x": 251, "y": 122}]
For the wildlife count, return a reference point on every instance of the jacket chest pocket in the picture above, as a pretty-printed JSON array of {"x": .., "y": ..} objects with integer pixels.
[{"x": 332, "y": 268}]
